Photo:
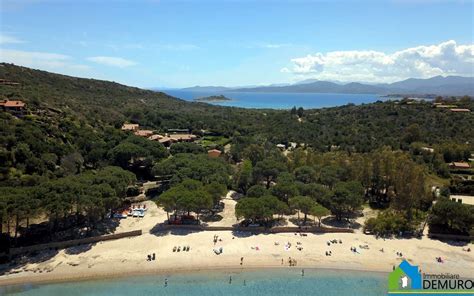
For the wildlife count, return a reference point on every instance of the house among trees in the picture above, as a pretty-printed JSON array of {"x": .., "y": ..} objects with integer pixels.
[
  {"x": 458, "y": 110},
  {"x": 155, "y": 137},
  {"x": 17, "y": 108},
  {"x": 183, "y": 137},
  {"x": 445, "y": 106},
  {"x": 459, "y": 165},
  {"x": 214, "y": 153},
  {"x": 428, "y": 149},
  {"x": 143, "y": 133},
  {"x": 167, "y": 139},
  {"x": 281, "y": 146},
  {"x": 130, "y": 127}
]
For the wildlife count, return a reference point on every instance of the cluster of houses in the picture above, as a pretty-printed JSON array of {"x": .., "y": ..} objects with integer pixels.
[
  {"x": 452, "y": 108},
  {"x": 175, "y": 136}
]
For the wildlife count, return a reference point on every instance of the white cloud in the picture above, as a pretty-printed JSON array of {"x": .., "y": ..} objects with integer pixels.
[
  {"x": 178, "y": 47},
  {"x": 42, "y": 60},
  {"x": 267, "y": 45},
  {"x": 274, "y": 45},
  {"x": 112, "y": 61},
  {"x": 9, "y": 39},
  {"x": 447, "y": 58}
]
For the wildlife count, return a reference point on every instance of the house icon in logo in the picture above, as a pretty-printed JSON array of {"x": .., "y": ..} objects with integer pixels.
[{"x": 404, "y": 277}]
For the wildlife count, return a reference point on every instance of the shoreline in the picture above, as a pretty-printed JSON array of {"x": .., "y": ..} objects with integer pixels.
[{"x": 46, "y": 279}]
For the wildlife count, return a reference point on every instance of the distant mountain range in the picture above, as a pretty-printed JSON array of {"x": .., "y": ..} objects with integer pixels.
[{"x": 438, "y": 85}]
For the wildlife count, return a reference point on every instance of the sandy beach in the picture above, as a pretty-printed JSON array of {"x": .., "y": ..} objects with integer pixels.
[{"x": 128, "y": 256}]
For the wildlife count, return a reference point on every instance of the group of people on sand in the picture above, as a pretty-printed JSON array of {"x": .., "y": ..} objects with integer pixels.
[
  {"x": 299, "y": 246},
  {"x": 151, "y": 257},
  {"x": 439, "y": 260},
  {"x": 178, "y": 248},
  {"x": 291, "y": 261},
  {"x": 216, "y": 238},
  {"x": 334, "y": 241}
]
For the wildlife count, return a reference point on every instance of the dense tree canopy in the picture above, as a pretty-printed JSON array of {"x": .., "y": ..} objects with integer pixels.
[
  {"x": 194, "y": 166},
  {"x": 302, "y": 204},
  {"x": 450, "y": 216},
  {"x": 267, "y": 170},
  {"x": 347, "y": 197},
  {"x": 86, "y": 197},
  {"x": 190, "y": 196},
  {"x": 186, "y": 147}
]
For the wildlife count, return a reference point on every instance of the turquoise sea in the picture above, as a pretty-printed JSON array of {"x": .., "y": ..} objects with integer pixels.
[
  {"x": 263, "y": 282},
  {"x": 279, "y": 100}
]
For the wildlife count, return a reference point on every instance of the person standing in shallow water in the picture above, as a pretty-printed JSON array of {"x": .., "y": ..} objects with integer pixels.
[
  {"x": 230, "y": 279},
  {"x": 302, "y": 272},
  {"x": 166, "y": 282}
]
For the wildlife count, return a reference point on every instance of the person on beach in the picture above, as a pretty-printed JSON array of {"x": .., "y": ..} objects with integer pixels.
[
  {"x": 302, "y": 272},
  {"x": 166, "y": 282},
  {"x": 230, "y": 280},
  {"x": 241, "y": 260}
]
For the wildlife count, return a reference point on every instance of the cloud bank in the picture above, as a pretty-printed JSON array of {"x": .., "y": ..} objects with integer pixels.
[
  {"x": 9, "y": 39},
  {"x": 40, "y": 60},
  {"x": 447, "y": 58},
  {"x": 112, "y": 61}
]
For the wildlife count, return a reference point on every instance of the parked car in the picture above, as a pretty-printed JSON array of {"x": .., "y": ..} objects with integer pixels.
[{"x": 119, "y": 215}]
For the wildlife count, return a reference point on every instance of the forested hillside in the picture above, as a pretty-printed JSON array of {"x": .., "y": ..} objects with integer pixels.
[
  {"x": 73, "y": 123},
  {"x": 362, "y": 128},
  {"x": 69, "y": 140}
]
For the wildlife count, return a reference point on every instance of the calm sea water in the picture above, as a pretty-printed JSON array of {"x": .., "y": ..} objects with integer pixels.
[
  {"x": 280, "y": 100},
  {"x": 266, "y": 282}
]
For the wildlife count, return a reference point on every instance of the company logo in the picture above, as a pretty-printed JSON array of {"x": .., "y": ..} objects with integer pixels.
[
  {"x": 407, "y": 279},
  {"x": 404, "y": 277}
]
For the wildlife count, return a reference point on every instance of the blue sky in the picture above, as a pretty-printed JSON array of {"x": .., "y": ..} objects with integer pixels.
[{"x": 185, "y": 43}]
